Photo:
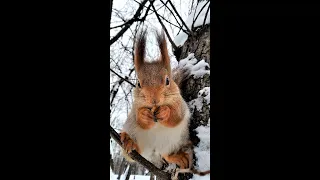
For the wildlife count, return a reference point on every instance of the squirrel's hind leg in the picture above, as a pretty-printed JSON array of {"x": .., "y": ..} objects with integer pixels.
[{"x": 182, "y": 159}]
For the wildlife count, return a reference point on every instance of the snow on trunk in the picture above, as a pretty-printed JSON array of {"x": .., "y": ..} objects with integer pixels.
[{"x": 196, "y": 20}]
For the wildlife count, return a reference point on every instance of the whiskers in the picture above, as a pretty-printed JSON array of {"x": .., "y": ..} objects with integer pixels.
[{"x": 171, "y": 94}]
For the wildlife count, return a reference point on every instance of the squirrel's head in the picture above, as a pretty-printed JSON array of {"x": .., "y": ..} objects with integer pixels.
[{"x": 155, "y": 85}]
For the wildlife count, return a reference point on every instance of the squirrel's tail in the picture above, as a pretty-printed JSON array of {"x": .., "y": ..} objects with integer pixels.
[
  {"x": 179, "y": 75},
  {"x": 203, "y": 173}
]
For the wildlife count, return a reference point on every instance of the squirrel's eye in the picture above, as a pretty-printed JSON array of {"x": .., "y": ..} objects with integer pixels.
[
  {"x": 167, "y": 81},
  {"x": 139, "y": 84}
]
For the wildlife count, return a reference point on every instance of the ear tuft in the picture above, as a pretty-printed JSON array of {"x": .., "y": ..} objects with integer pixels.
[
  {"x": 162, "y": 43},
  {"x": 140, "y": 49}
]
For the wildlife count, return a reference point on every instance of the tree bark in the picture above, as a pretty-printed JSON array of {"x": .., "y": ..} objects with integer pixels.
[
  {"x": 199, "y": 44},
  {"x": 151, "y": 176}
]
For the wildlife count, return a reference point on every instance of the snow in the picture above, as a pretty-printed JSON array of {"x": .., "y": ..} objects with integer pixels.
[
  {"x": 182, "y": 37},
  {"x": 202, "y": 15},
  {"x": 202, "y": 152},
  {"x": 121, "y": 62},
  {"x": 198, "y": 70},
  {"x": 205, "y": 92},
  {"x": 203, "y": 98},
  {"x": 139, "y": 177},
  {"x": 123, "y": 176},
  {"x": 112, "y": 175},
  {"x": 173, "y": 62},
  {"x": 132, "y": 177}
]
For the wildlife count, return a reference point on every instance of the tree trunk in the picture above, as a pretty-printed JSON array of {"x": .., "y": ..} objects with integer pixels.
[
  {"x": 151, "y": 176},
  {"x": 199, "y": 44}
]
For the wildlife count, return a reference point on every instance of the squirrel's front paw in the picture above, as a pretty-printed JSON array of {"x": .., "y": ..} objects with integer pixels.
[
  {"x": 162, "y": 113},
  {"x": 145, "y": 118},
  {"x": 128, "y": 144}
]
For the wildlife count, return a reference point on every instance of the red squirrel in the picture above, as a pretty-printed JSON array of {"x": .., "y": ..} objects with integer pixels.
[{"x": 158, "y": 124}]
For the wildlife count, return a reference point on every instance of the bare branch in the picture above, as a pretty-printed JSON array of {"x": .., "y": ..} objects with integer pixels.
[
  {"x": 152, "y": 10},
  {"x": 165, "y": 30},
  {"x": 194, "y": 20},
  {"x": 174, "y": 9},
  {"x": 130, "y": 22},
  {"x": 111, "y": 3},
  {"x": 205, "y": 18},
  {"x": 138, "y": 158},
  {"x": 125, "y": 79},
  {"x": 172, "y": 23},
  {"x": 172, "y": 13},
  {"x": 114, "y": 90}
]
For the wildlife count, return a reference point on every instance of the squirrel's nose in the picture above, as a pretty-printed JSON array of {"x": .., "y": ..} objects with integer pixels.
[{"x": 155, "y": 101}]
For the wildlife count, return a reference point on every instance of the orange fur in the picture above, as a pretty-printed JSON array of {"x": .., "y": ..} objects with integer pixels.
[
  {"x": 155, "y": 101},
  {"x": 145, "y": 118},
  {"x": 128, "y": 144},
  {"x": 181, "y": 159},
  {"x": 171, "y": 115}
]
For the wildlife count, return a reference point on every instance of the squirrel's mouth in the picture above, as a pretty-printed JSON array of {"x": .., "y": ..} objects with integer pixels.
[
  {"x": 155, "y": 112},
  {"x": 155, "y": 119}
]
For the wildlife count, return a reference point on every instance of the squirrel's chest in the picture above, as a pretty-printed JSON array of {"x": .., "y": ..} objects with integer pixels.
[{"x": 161, "y": 139}]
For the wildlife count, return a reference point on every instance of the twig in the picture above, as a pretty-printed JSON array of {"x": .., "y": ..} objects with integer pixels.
[
  {"x": 173, "y": 24},
  {"x": 165, "y": 4},
  {"x": 152, "y": 10},
  {"x": 130, "y": 22},
  {"x": 205, "y": 18},
  {"x": 111, "y": 3},
  {"x": 174, "y": 9},
  {"x": 172, "y": 14},
  {"x": 138, "y": 158},
  {"x": 165, "y": 30},
  {"x": 125, "y": 79},
  {"x": 194, "y": 20},
  {"x": 133, "y": 19}
]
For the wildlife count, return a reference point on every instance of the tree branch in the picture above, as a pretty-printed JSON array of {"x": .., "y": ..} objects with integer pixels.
[
  {"x": 165, "y": 4},
  {"x": 194, "y": 20},
  {"x": 115, "y": 90},
  {"x": 152, "y": 10},
  {"x": 134, "y": 19},
  {"x": 125, "y": 79},
  {"x": 138, "y": 158},
  {"x": 111, "y": 3},
  {"x": 174, "y": 9},
  {"x": 205, "y": 18},
  {"x": 173, "y": 24},
  {"x": 129, "y": 23},
  {"x": 164, "y": 28}
]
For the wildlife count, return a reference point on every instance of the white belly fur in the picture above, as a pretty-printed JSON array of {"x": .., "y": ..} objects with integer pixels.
[{"x": 161, "y": 140}]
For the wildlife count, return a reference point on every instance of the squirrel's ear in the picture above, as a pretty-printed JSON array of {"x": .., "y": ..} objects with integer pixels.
[
  {"x": 140, "y": 49},
  {"x": 164, "y": 51}
]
